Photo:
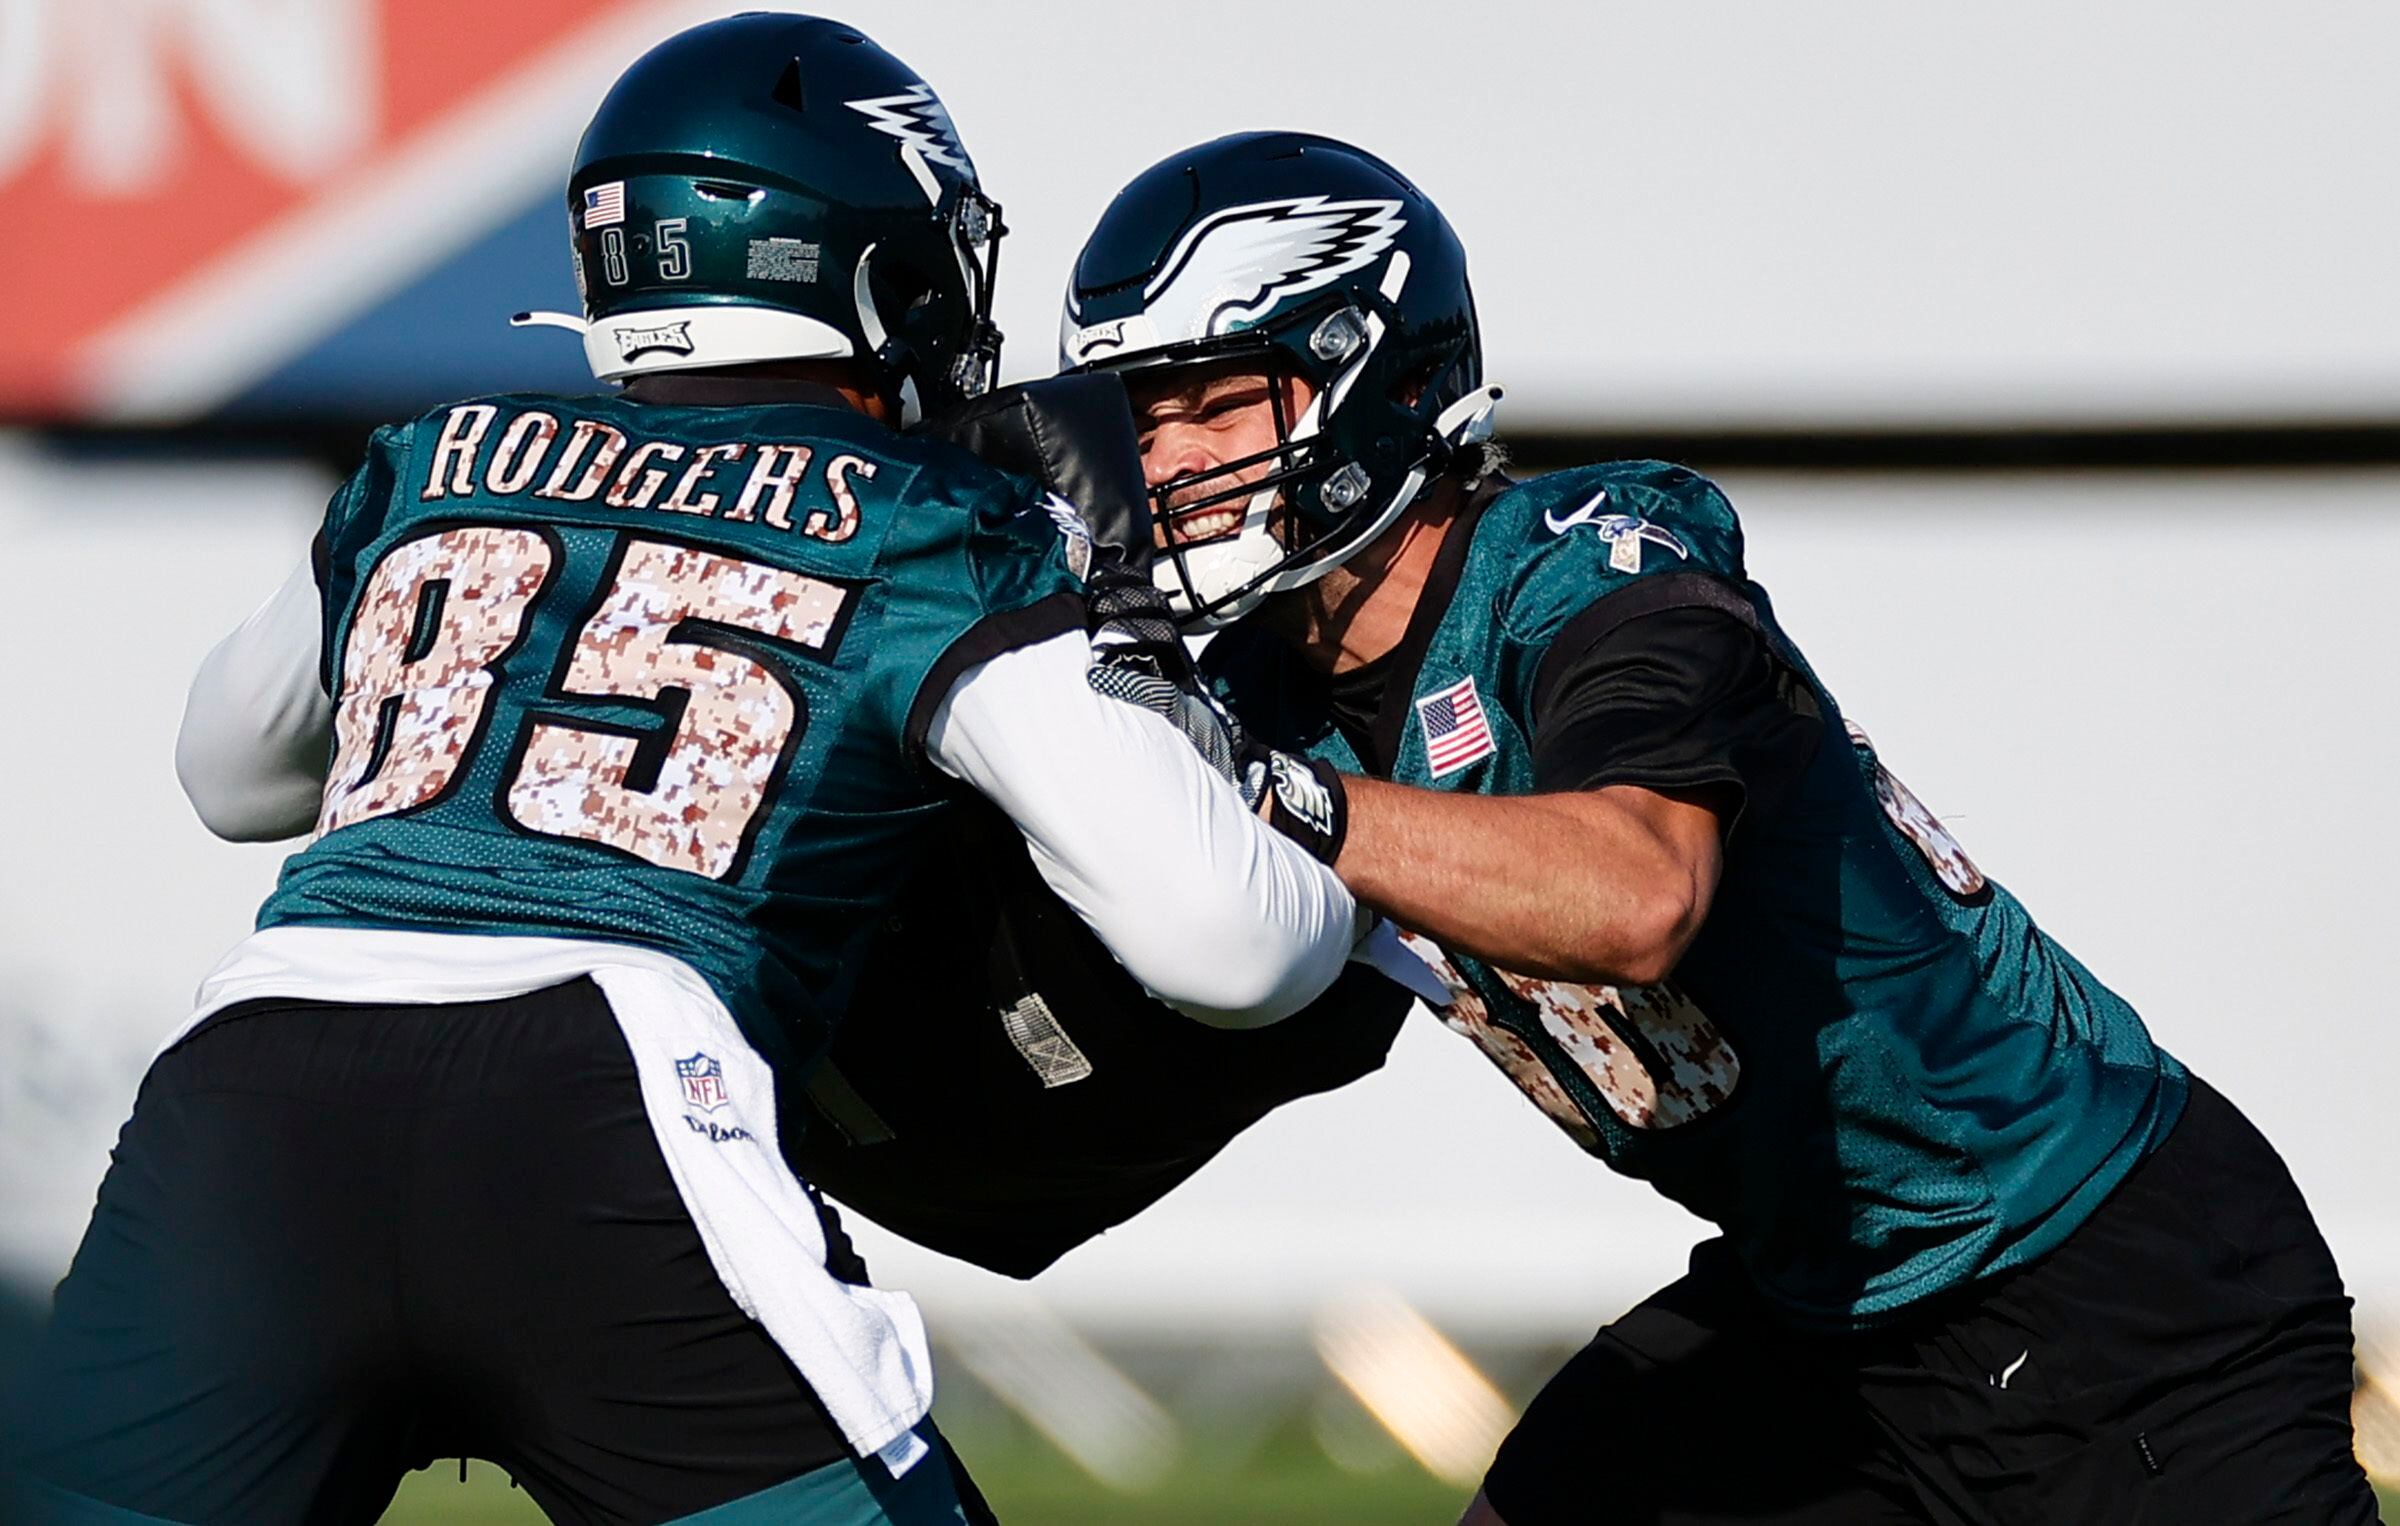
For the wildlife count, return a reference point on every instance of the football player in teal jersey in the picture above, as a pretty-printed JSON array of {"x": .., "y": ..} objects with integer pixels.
[
  {"x": 619, "y": 722},
  {"x": 1986, "y": 1252}
]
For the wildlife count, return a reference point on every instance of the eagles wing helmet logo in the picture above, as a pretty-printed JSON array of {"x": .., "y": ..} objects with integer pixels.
[
  {"x": 915, "y": 116},
  {"x": 1239, "y": 263}
]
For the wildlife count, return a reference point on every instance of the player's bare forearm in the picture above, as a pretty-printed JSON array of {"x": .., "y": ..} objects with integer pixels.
[{"x": 1601, "y": 885}]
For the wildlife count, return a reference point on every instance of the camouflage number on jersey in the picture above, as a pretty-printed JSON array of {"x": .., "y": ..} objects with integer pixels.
[
  {"x": 1688, "y": 1070},
  {"x": 1940, "y": 850},
  {"x": 439, "y": 614},
  {"x": 433, "y": 621},
  {"x": 695, "y": 809}
]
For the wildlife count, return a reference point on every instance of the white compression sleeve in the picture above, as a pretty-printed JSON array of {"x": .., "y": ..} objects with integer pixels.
[
  {"x": 257, "y": 731},
  {"x": 1213, "y": 911}
]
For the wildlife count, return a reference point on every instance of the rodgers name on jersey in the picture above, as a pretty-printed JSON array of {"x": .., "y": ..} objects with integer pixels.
[
  {"x": 1870, "y": 1067},
  {"x": 593, "y": 660},
  {"x": 481, "y": 449}
]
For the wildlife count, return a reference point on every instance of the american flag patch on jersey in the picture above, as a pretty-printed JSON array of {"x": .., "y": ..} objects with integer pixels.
[
  {"x": 604, "y": 205},
  {"x": 1456, "y": 734}
]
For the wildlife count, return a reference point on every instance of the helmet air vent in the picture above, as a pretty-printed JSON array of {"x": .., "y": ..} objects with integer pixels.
[
  {"x": 787, "y": 86},
  {"x": 726, "y": 190}
]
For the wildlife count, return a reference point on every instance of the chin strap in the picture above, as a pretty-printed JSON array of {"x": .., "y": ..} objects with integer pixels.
[{"x": 567, "y": 321}]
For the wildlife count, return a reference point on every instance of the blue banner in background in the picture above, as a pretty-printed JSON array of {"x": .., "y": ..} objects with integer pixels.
[{"x": 444, "y": 335}]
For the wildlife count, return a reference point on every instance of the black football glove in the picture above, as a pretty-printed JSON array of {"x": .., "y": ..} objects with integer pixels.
[{"x": 1138, "y": 657}]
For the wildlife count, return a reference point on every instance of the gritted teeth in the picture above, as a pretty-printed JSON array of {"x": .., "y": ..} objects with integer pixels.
[{"x": 1206, "y": 524}]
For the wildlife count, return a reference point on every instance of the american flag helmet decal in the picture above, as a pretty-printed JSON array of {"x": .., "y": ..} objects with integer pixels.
[{"x": 604, "y": 205}]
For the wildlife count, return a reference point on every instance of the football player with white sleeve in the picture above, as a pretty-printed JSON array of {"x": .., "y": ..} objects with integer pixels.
[
  {"x": 1987, "y": 1253},
  {"x": 619, "y": 720}
]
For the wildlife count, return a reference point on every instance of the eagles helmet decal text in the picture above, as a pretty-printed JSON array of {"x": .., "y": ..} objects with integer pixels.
[
  {"x": 1110, "y": 335},
  {"x": 1082, "y": 343},
  {"x": 1237, "y": 264},
  {"x": 673, "y": 336},
  {"x": 916, "y": 116}
]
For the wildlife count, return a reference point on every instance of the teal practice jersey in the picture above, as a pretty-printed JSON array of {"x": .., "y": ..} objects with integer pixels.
[
  {"x": 1870, "y": 1069},
  {"x": 657, "y": 675}
]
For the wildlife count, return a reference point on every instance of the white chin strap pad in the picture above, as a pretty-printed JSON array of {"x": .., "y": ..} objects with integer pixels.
[
  {"x": 690, "y": 338},
  {"x": 1222, "y": 566}
]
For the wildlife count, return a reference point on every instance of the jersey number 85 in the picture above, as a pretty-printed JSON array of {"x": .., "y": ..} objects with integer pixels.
[{"x": 440, "y": 612}]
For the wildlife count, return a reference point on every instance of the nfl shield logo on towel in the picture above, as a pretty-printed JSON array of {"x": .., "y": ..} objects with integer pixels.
[{"x": 703, "y": 1082}]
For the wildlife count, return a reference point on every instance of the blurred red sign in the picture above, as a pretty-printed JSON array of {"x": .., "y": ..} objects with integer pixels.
[{"x": 142, "y": 145}]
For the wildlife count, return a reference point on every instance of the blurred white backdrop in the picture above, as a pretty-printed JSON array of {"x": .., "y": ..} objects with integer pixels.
[{"x": 1711, "y": 211}]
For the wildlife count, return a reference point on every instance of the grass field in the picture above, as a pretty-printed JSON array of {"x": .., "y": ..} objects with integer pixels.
[{"x": 1291, "y": 1482}]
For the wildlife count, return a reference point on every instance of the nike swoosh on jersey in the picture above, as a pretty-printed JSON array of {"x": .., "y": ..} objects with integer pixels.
[{"x": 1582, "y": 516}]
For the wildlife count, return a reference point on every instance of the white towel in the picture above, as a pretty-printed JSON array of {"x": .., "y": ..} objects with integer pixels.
[{"x": 711, "y": 1102}]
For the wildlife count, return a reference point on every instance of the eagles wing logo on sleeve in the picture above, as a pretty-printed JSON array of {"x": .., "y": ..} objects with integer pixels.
[
  {"x": 1625, "y": 534},
  {"x": 1073, "y": 531},
  {"x": 1560, "y": 524},
  {"x": 916, "y": 116},
  {"x": 1236, "y": 265}
]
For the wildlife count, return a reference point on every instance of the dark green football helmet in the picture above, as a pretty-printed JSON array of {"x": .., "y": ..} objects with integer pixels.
[
  {"x": 1304, "y": 256},
  {"x": 777, "y": 187}
]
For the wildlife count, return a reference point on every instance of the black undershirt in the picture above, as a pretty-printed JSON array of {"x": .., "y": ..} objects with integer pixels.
[
  {"x": 1685, "y": 698},
  {"x": 1355, "y": 697}
]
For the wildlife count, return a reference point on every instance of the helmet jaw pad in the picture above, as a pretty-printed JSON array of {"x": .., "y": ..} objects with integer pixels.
[{"x": 629, "y": 344}]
